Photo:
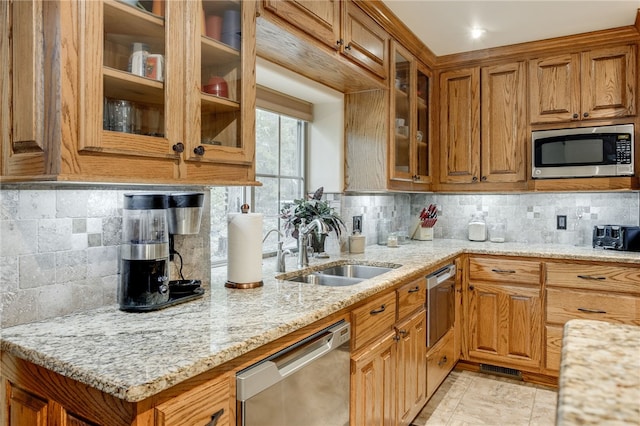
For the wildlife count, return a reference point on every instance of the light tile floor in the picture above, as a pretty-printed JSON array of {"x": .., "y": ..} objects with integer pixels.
[{"x": 470, "y": 398}]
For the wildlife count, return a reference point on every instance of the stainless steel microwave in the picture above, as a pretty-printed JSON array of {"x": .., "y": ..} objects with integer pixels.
[{"x": 583, "y": 152}]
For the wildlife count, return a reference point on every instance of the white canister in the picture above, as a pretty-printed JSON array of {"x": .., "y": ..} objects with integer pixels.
[
  {"x": 477, "y": 228},
  {"x": 357, "y": 243}
]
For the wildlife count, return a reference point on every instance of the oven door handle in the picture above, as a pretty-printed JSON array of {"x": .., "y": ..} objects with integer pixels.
[{"x": 283, "y": 364}]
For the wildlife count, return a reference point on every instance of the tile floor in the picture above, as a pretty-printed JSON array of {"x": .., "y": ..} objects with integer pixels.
[{"x": 470, "y": 398}]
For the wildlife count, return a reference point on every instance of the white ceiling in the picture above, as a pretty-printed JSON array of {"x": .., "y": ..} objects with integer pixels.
[{"x": 444, "y": 25}]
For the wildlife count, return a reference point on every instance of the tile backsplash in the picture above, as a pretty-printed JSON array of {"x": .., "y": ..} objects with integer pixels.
[{"x": 59, "y": 248}]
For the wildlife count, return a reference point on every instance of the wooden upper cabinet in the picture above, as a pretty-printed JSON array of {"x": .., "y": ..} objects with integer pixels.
[
  {"x": 483, "y": 128},
  {"x": 460, "y": 125},
  {"x": 364, "y": 41},
  {"x": 504, "y": 123},
  {"x": 595, "y": 84},
  {"x": 121, "y": 96},
  {"x": 340, "y": 25},
  {"x": 319, "y": 19}
]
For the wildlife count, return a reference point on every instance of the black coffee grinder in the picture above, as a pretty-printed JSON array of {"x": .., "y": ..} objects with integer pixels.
[{"x": 148, "y": 224}]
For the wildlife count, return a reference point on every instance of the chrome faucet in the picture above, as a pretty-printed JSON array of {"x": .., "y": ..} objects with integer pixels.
[
  {"x": 303, "y": 238},
  {"x": 280, "y": 253}
]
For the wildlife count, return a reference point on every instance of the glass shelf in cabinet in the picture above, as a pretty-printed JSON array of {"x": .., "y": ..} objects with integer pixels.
[{"x": 215, "y": 104}]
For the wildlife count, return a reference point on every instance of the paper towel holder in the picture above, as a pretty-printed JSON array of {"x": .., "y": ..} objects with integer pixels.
[{"x": 255, "y": 284}]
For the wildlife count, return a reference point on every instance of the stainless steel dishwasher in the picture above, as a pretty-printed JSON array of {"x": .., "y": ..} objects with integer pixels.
[{"x": 304, "y": 384}]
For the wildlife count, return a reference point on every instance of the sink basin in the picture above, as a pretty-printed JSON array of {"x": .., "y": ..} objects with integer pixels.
[
  {"x": 328, "y": 280},
  {"x": 342, "y": 275},
  {"x": 355, "y": 271}
]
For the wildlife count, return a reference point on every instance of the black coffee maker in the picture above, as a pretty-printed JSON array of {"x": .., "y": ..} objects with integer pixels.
[{"x": 148, "y": 224}]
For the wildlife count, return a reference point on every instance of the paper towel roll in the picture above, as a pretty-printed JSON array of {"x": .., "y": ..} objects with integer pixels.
[{"x": 244, "y": 250}]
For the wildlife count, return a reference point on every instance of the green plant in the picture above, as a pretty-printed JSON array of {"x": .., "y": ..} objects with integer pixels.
[{"x": 310, "y": 209}]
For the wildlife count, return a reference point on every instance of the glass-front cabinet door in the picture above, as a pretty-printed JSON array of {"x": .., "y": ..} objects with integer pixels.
[
  {"x": 410, "y": 121},
  {"x": 401, "y": 109},
  {"x": 130, "y": 91},
  {"x": 220, "y": 60}
]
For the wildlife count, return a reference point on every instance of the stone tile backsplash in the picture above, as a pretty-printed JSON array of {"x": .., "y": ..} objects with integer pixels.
[{"x": 59, "y": 249}]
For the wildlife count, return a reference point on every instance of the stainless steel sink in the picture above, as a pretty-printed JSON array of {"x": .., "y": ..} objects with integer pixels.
[
  {"x": 355, "y": 271},
  {"x": 328, "y": 280},
  {"x": 341, "y": 275}
]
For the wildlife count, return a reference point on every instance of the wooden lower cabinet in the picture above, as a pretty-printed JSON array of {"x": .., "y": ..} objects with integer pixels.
[
  {"x": 373, "y": 382},
  {"x": 590, "y": 291},
  {"x": 412, "y": 368},
  {"x": 208, "y": 404},
  {"x": 503, "y": 322}
]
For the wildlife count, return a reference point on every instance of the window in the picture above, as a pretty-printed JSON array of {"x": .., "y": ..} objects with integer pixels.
[{"x": 280, "y": 147}]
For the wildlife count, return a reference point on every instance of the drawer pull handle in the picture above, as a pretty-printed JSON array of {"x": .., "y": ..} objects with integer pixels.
[
  {"x": 378, "y": 311},
  {"x": 215, "y": 417},
  {"x": 414, "y": 290},
  {"x": 592, "y": 311},
  {"x": 591, "y": 277},
  {"x": 443, "y": 361},
  {"x": 503, "y": 271}
]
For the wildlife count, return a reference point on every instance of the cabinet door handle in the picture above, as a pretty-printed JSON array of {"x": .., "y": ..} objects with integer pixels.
[
  {"x": 198, "y": 150},
  {"x": 474, "y": 179},
  {"x": 179, "y": 147},
  {"x": 347, "y": 47},
  {"x": 442, "y": 361},
  {"x": 471, "y": 288},
  {"x": 503, "y": 271},
  {"x": 575, "y": 116},
  {"x": 585, "y": 115},
  {"x": 379, "y": 310},
  {"x": 215, "y": 417},
  {"x": 401, "y": 332},
  {"x": 592, "y": 311},
  {"x": 483, "y": 178},
  {"x": 414, "y": 290},
  {"x": 591, "y": 277},
  {"x": 340, "y": 42}
]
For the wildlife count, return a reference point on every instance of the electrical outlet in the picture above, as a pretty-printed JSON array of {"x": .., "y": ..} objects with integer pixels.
[
  {"x": 561, "y": 222},
  {"x": 357, "y": 224}
]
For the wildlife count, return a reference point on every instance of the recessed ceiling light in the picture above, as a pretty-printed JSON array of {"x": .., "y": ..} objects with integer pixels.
[{"x": 477, "y": 32}]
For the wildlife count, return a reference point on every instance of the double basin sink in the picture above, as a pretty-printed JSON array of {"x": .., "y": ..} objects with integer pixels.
[{"x": 342, "y": 275}]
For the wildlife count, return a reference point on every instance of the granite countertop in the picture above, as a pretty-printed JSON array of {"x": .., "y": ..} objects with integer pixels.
[
  {"x": 133, "y": 356},
  {"x": 599, "y": 374}
]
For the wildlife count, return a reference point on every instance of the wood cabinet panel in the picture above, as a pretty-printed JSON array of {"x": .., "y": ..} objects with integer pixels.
[
  {"x": 411, "y": 297},
  {"x": 373, "y": 383},
  {"x": 609, "y": 82},
  {"x": 319, "y": 19},
  {"x": 504, "y": 323},
  {"x": 564, "y": 305},
  {"x": 210, "y": 402},
  {"x": 593, "y": 277},
  {"x": 412, "y": 367},
  {"x": 504, "y": 270},
  {"x": 27, "y": 409},
  {"x": 554, "y": 88},
  {"x": 459, "y": 125},
  {"x": 553, "y": 347},
  {"x": 440, "y": 361},
  {"x": 373, "y": 319},
  {"x": 504, "y": 123},
  {"x": 364, "y": 41}
]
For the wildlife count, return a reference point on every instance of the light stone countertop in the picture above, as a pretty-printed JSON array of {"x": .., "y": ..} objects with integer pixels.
[
  {"x": 136, "y": 355},
  {"x": 599, "y": 374}
]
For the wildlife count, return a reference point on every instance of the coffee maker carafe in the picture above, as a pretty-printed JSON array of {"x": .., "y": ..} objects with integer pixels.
[{"x": 144, "y": 275}]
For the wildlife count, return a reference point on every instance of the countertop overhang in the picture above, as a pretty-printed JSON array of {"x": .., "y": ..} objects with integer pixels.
[{"x": 133, "y": 356}]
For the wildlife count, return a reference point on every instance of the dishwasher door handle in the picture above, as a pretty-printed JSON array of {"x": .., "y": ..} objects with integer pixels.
[
  {"x": 440, "y": 276},
  {"x": 283, "y": 364}
]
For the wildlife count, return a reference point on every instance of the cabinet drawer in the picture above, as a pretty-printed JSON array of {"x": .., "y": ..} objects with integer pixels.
[
  {"x": 440, "y": 362},
  {"x": 504, "y": 270},
  {"x": 554, "y": 347},
  {"x": 411, "y": 297},
  {"x": 564, "y": 305},
  {"x": 373, "y": 319},
  {"x": 594, "y": 277}
]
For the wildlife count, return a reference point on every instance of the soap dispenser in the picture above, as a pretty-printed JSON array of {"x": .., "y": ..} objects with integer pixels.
[{"x": 477, "y": 228}]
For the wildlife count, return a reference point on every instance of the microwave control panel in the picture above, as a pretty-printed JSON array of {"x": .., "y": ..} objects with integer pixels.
[{"x": 623, "y": 150}]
